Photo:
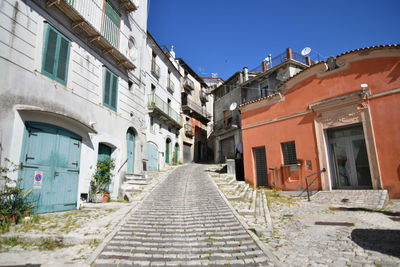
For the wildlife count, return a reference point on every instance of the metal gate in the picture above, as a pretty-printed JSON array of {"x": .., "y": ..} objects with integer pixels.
[
  {"x": 261, "y": 166},
  {"x": 187, "y": 157},
  {"x": 51, "y": 158}
]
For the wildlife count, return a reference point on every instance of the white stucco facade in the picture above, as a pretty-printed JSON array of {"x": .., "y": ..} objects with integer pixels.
[{"x": 26, "y": 94}]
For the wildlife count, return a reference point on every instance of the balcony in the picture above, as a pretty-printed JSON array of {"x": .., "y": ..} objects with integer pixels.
[
  {"x": 196, "y": 111},
  {"x": 160, "y": 108},
  {"x": 189, "y": 130},
  {"x": 232, "y": 122},
  {"x": 99, "y": 28},
  {"x": 155, "y": 70},
  {"x": 203, "y": 96},
  {"x": 170, "y": 86},
  {"x": 188, "y": 84},
  {"x": 129, "y": 5}
]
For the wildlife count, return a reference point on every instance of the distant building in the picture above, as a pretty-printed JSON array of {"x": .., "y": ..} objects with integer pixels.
[
  {"x": 164, "y": 107},
  {"x": 196, "y": 115},
  {"x": 245, "y": 86},
  {"x": 72, "y": 90},
  {"x": 342, "y": 115}
]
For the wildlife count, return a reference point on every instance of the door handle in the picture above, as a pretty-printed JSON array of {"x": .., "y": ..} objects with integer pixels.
[
  {"x": 56, "y": 174},
  {"x": 75, "y": 163}
]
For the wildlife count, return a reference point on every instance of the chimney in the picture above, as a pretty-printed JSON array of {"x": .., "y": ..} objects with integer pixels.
[
  {"x": 308, "y": 60},
  {"x": 264, "y": 66},
  {"x": 172, "y": 53},
  {"x": 289, "y": 53},
  {"x": 246, "y": 74}
]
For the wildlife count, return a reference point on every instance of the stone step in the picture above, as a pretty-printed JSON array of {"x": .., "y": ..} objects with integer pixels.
[{"x": 373, "y": 199}]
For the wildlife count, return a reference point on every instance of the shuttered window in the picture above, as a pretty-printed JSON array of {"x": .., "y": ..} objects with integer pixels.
[
  {"x": 111, "y": 24},
  {"x": 289, "y": 153},
  {"x": 110, "y": 89},
  {"x": 55, "y": 55}
]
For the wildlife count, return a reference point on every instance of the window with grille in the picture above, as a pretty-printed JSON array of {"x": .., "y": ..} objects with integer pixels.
[
  {"x": 289, "y": 153},
  {"x": 55, "y": 55},
  {"x": 110, "y": 89}
]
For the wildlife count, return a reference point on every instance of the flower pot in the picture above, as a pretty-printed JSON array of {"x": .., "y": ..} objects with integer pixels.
[
  {"x": 106, "y": 196},
  {"x": 97, "y": 198}
]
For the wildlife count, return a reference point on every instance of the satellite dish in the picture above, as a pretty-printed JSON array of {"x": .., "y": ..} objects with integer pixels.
[
  {"x": 306, "y": 50},
  {"x": 233, "y": 106}
]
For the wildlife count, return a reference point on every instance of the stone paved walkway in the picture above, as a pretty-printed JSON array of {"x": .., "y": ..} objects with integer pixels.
[{"x": 184, "y": 221}]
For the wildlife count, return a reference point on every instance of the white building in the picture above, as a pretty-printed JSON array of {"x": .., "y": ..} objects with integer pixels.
[
  {"x": 72, "y": 91},
  {"x": 163, "y": 106}
]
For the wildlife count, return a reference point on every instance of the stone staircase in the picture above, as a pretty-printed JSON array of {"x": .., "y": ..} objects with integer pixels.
[
  {"x": 133, "y": 184},
  {"x": 370, "y": 199},
  {"x": 249, "y": 202}
]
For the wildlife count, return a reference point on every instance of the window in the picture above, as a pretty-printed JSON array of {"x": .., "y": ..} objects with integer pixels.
[
  {"x": 55, "y": 55},
  {"x": 289, "y": 153},
  {"x": 264, "y": 89},
  {"x": 111, "y": 23},
  {"x": 152, "y": 124},
  {"x": 110, "y": 89}
]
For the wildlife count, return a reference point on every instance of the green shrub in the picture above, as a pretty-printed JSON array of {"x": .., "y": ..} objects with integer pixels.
[{"x": 102, "y": 177}]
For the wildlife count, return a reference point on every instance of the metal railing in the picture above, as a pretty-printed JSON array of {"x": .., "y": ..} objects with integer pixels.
[
  {"x": 197, "y": 108},
  {"x": 188, "y": 84},
  {"x": 203, "y": 96},
  {"x": 155, "y": 101},
  {"x": 231, "y": 121},
  {"x": 155, "y": 69},
  {"x": 170, "y": 85},
  {"x": 308, "y": 176},
  {"x": 188, "y": 129},
  {"x": 299, "y": 58},
  {"x": 94, "y": 14}
]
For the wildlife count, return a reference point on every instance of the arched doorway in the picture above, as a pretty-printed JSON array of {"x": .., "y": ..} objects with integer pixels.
[
  {"x": 130, "y": 142},
  {"x": 167, "y": 150}
]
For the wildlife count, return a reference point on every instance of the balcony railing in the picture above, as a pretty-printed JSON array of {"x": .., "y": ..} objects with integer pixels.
[
  {"x": 155, "y": 103},
  {"x": 188, "y": 84},
  {"x": 203, "y": 96},
  {"x": 194, "y": 110},
  {"x": 278, "y": 60},
  {"x": 188, "y": 129},
  {"x": 170, "y": 86},
  {"x": 227, "y": 123},
  {"x": 155, "y": 70},
  {"x": 99, "y": 28}
]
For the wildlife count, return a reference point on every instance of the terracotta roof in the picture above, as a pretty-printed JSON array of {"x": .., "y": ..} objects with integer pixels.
[
  {"x": 322, "y": 62},
  {"x": 259, "y": 99},
  {"x": 369, "y": 48}
]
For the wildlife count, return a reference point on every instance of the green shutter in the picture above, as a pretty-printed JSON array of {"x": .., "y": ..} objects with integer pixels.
[
  {"x": 112, "y": 13},
  {"x": 50, "y": 51},
  {"x": 107, "y": 85},
  {"x": 63, "y": 59},
  {"x": 114, "y": 92},
  {"x": 110, "y": 89},
  {"x": 55, "y": 55}
]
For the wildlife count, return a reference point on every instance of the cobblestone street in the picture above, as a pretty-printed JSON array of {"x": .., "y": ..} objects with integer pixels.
[{"x": 184, "y": 221}]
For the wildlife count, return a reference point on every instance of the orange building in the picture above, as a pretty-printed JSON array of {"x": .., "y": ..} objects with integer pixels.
[{"x": 342, "y": 115}]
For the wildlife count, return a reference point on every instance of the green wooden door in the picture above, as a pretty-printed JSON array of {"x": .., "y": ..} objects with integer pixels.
[
  {"x": 104, "y": 152},
  {"x": 167, "y": 151},
  {"x": 130, "y": 140},
  {"x": 54, "y": 153},
  {"x": 176, "y": 154}
]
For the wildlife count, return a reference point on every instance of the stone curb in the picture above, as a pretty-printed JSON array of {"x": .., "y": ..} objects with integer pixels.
[
  {"x": 259, "y": 243},
  {"x": 89, "y": 261}
]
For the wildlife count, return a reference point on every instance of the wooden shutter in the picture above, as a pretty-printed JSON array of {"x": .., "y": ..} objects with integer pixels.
[
  {"x": 107, "y": 85},
  {"x": 50, "y": 49},
  {"x": 114, "y": 89},
  {"x": 63, "y": 59}
]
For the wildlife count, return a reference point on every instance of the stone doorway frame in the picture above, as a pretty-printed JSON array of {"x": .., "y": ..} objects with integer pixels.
[{"x": 342, "y": 111}]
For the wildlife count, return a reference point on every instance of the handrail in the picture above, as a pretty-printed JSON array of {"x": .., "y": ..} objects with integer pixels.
[
  {"x": 122, "y": 165},
  {"x": 308, "y": 192}
]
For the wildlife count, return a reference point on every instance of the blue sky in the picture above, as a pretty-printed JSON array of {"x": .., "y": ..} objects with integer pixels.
[{"x": 223, "y": 36}]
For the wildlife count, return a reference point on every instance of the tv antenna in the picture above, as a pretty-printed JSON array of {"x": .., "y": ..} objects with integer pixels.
[
  {"x": 233, "y": 106},
  {"x": 306, "y": 50}
]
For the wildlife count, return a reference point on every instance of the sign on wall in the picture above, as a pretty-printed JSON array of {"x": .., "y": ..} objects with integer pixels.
[{"x": 37, "y": 180}]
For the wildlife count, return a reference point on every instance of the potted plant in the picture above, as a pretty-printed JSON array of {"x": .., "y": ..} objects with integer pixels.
[{"x": 101, "y": 180}]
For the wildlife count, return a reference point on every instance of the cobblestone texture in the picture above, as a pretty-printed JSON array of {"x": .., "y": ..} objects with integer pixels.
[{"x": 184, "y": 221}]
